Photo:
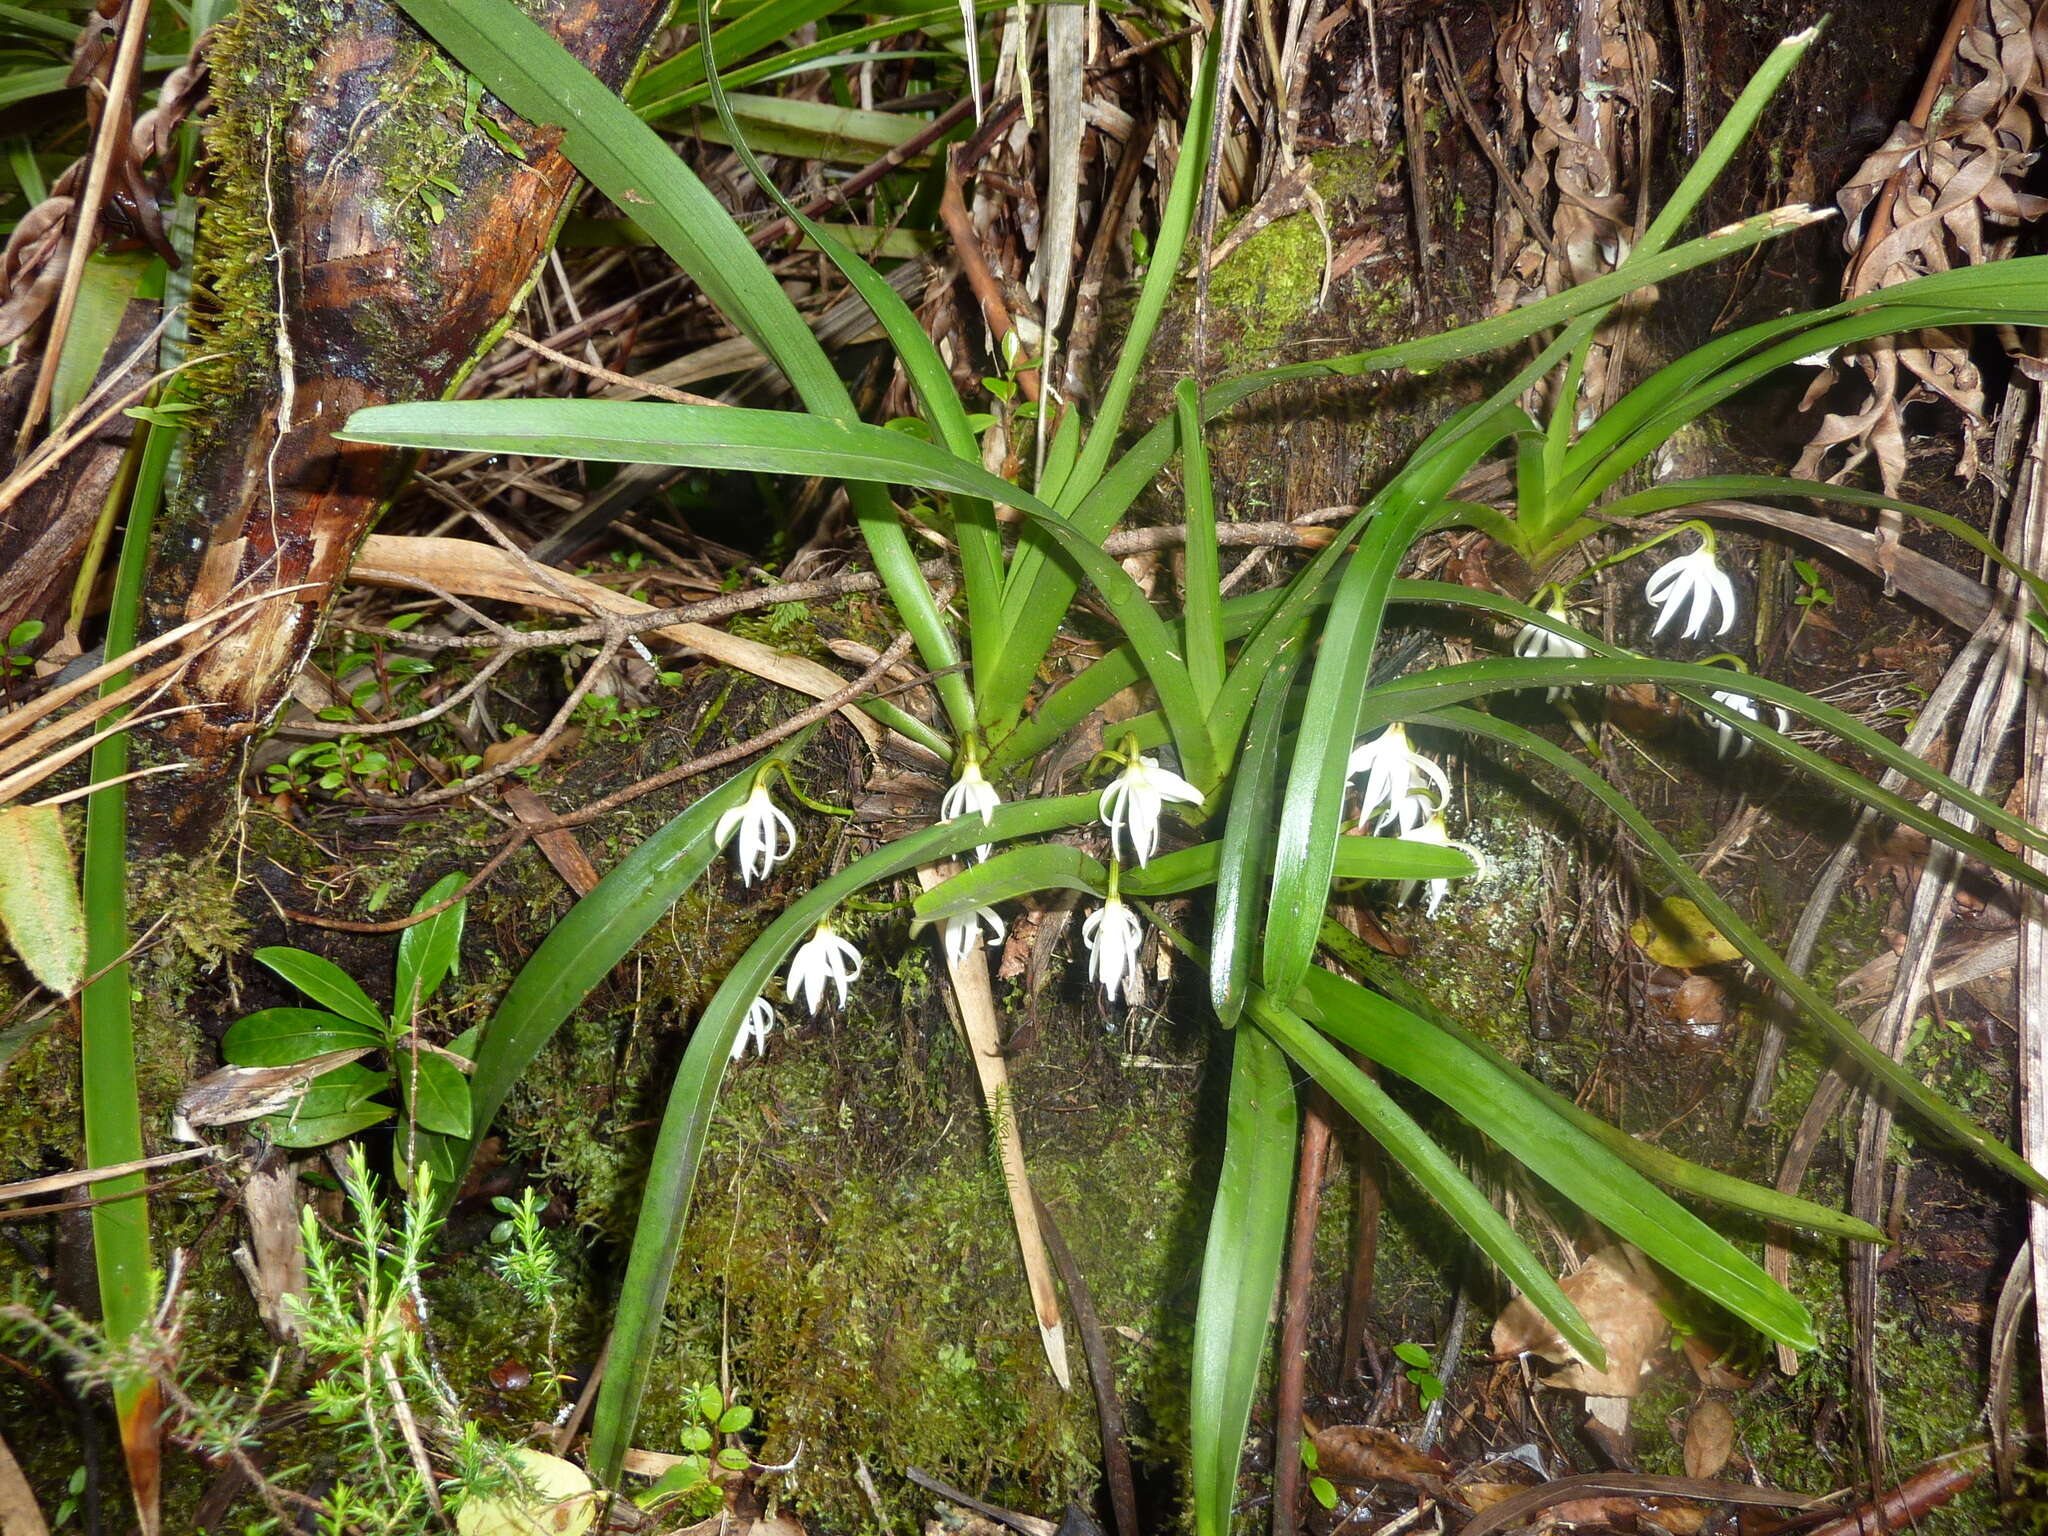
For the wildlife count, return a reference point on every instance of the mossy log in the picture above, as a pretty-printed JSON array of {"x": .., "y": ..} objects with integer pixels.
[{"x": 372, "y": 223}]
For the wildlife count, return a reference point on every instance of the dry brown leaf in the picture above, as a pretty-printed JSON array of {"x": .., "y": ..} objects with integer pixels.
[
  {"x": 1357, "y": 1453},
  {"x": 19, "y": 1515},
  {"x": 235, "y": 1094},
  {"x": 1618, "y": 1297},
  {"x": 1938, "y": 194},
  {"x": 1480, "y": 1497},
  {"x": 1709, "y": 1439},
  {"x": 567, "y": 740},
  {"x": 273, "y": 1261}
]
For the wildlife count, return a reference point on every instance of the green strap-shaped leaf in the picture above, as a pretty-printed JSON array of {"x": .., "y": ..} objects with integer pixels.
[
  {"x": 1240, "y": 1271},
  {"x": 1249, "y": 832},
  {"x": 1202, "y": 573},
  {"x": 974, "y": 520},
  {"x": 1417, "y": 1155},
  {"x": 1896, "y": 1080},
  {"x": 1056, "y": 866},
  {"x": 1311, "y": 806},
  {"x": 627, "y": 161},
  {"x": 1403, "y": 698},
  {"x": 595, "y": 935},
  {"x": 668, "y": 91},
  {"x": 660, "y": 89},
  {"x": 791, "y": 443},
  {"x": 1667, "y": 1168},
  {"x": 1556, "y": 1151}
]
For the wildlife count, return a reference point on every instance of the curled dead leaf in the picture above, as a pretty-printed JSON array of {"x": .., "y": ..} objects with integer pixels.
[
  {"x": 1619, "y": 1298},
  {"x": 1358, "y": 1453}
]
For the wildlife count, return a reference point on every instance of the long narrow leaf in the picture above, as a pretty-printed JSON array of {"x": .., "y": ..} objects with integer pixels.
[
  {"x": 1654, "y": 1162},
  {"x": 1405, "y": 697},
  {"x": 1895, "y": 1079},
  {"x": 1055, "y": 867},
  {"x": 1418, "y": 1156},
  {"x": 593, "y": 937},
  {"x": 1202, "y": 573},
  {"x": 1249, "y": 831},
  {"x": 974, "y": 521},
  {"x": 627, "y": 161},
  {"x": 666, "y": 91},
  {"x": 1240, "y": 1271},
  {"x": 1311, "y": 806},
  {"x": 1556, "y": 1151},
  {"x": 791, "y": 443}
]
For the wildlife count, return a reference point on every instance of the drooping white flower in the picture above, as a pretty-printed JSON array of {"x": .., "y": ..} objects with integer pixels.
[
  {"x": 1435, "y": 833},
  {"x": 767, "y": 837},
  {"x": 824, "y": 958},
  {"x": 1693, "y": 582},
  {"x": 971, "y": 795},
  {"x": 1535, "y": 643},
  {"x": 962, "y": 932},
  {"x": 1132, "y": 801},
  {"x": 1398, "y": 781},
  {"x": 1112, "y": 933},
  {"x": 754, "y": 1029},
  {"x": 1742, "y": 704}
]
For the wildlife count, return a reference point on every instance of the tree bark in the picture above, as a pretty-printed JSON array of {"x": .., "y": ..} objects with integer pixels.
[{"x": 369, "y": 237}]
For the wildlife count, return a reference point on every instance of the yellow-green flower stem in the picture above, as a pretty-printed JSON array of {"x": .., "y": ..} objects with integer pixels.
[
  {"x": 1704, "y": 530},
  {"x": 775, "y": 766}
]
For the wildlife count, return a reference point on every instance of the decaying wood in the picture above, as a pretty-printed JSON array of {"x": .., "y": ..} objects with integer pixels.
[{"x": 385, "y": 286}]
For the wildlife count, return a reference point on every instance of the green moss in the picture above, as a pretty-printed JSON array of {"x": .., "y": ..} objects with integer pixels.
[
  {"x": 1271, "y": 283},
  {"x": 262, "y": 61},
  {"x": 850, "y": 1253}
]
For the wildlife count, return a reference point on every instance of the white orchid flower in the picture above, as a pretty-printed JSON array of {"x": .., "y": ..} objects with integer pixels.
[
  {"x": 1693, "y": 582},
  {"x": 1132, "y": 801},
  {"x": 824, "y": 958},
  {"x": 1742, "y": 704},
  {"x": 962, "y": 932},
  {"x": 1398, "y": 781},
  {"x": 1437, "y": 835},
  {"x": 971, "y": 795},
  {"x": 754, "y": 1029},
  {"x": 1112, "y": 933},
  {"x": 1535, "y": 643},
  {"x": 767, "y": 837}
]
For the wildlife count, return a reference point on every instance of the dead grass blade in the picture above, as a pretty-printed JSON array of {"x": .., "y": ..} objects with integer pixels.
[
  {"x": 473, "y": 569},
  {"x": 984, "y": 1040}
]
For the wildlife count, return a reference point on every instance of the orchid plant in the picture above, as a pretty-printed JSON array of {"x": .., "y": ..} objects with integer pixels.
[{"x": 1266, "y": 721}]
